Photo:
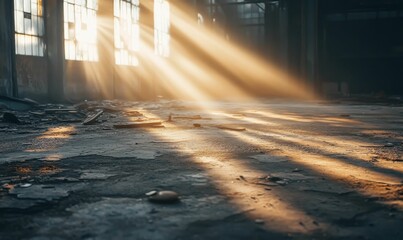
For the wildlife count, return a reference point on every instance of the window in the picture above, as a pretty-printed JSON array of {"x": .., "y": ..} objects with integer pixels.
[
  {"x": 127, "y": 31},
  {"x": 29, "y": 27},
  {"x": 161, "y": 27},
  {"x": 80, "y": 30}
]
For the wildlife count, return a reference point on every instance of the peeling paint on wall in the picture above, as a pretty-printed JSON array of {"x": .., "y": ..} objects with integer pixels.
[{"x": 32, "y": 77}]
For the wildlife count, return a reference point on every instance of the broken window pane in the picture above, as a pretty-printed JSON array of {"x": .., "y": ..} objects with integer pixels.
[
  {"x": 161, "y": 27},
  {"x": 80, "y": 30},
  {"x": 29, "y": 27},
  {"x": 127, "y": 38}
]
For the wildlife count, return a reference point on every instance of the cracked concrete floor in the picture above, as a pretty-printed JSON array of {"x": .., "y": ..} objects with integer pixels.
[{"x": 267, "y": 170}]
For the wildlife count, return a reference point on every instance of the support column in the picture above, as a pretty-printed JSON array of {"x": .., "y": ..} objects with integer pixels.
[
  {"x": 311, "y": 39},
  {"x": 55, "y": 49},
  {"x": 147, "y": 73},
  {"x": 8, "y": 80}
]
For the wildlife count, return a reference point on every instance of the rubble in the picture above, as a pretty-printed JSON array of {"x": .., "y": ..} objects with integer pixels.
[
  {"x": 17, "y": 104},
  {"x": 101, "y": 177},
  {"x": 92, "y": 118},
  {"x": 10, "y": 118},
  {"x": 139, "y": 125},
  {"x": 38, "y": 192}
]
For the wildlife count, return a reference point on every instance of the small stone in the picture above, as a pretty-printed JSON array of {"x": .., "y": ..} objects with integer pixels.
[
  {"x": 296, "y": 170},
  {"x": 26, "y": 185},
  {"x": 389, "y": 145},
  {"x": 259, "y": 221},
  {"x": 151, "y": 193},
  {"x": 281, "y": 182},
  {"x": 273, "y": 179},
  {"x": 196, "y": 125},
  {"x": 8, "y": 186},
  {"x": 164, "y": 197}
]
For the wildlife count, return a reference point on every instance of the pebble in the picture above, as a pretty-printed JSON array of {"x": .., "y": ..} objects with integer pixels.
[
  {"x": 389, "y": 145},
  {"x": 164, "y": 197},
  {"x": 259, "y": 221},
  {"x": 8, "y": 186},
  {"x": 26, "y": 185},
  {"x": 281, "y": 182},
  {"x": 151, "y": 193}
]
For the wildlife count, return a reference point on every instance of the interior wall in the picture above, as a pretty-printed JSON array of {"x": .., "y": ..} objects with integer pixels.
[
  {"x": 362, "y": 48},
  {"x": 32, "y": 77},
  {"x": 7, "y": 85}
]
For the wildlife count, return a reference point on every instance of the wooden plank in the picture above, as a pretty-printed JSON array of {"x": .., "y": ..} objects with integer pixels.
[
  {"x": 92, "y": 118},
  {"x": 139, "y": 125}
]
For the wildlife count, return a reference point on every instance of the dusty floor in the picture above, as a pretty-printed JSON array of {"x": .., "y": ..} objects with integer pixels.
[{"x": 267, "y": 170}]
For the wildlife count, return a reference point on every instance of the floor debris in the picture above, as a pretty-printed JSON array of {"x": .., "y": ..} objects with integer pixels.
[
  {"x": 17, "y": 104},
  {"x": 10, "y": 118},
  {"x": 25, "y": 185},
  {"x": 195, "y": 117},
  {"x": 301, "y": 170},
  {"x": 93, "y": 118},
  {"x": 231, "y": 128},
  {"x": 164, "y": 197},
  {"x": 259, "y": 221},
  {"x": 38, "y": 192},
  {"x": 139, "y": 125},
  {"x": 269, "y": 158},
  {"x": 151, "y": 193}
]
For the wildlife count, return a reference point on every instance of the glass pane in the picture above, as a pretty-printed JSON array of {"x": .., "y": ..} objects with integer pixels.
[
  {"x": 21, "y": 41},
  {"x": 27, "y": 6},
  {"x": 70, "y": 13},
  {"x": 116, "y": 8},
  {"x": 19, "y": 5},
  {"x": 27, "y": 26},
  {"x": 28, "y": 45},
  {"x": 19, "y": 22},
  {"x": 66, "y": 31},
  {"x": 35, "y": 25},
  {"x": 34, "y": 9},
  {"x": 35, "y": 46}
]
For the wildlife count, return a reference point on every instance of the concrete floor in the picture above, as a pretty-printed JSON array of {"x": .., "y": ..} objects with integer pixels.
[{"x": 266, "y": 170}]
